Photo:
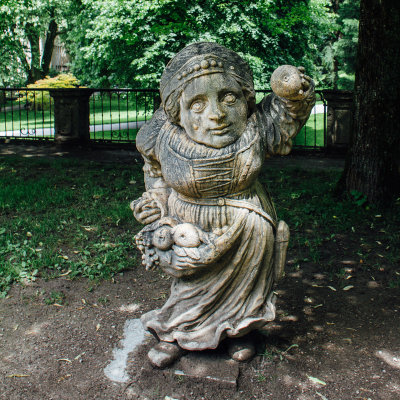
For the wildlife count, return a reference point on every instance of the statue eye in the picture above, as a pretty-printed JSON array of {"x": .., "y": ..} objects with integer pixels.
[
  {"x": 197, "y": 106},
  {"x": 229, "y": 98}
]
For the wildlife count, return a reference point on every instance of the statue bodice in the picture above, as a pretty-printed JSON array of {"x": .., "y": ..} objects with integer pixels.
[{"x": 197, "y": 171}]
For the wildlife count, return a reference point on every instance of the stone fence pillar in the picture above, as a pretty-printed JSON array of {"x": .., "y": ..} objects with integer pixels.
[
  {"x": 71, "y": 115},
  {"x": 339, "y": 118}
]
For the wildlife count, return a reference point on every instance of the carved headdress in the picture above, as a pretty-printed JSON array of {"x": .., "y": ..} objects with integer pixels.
[{"x": 202, "y": 59}]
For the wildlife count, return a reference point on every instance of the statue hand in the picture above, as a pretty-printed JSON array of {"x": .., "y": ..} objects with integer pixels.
[
  {"x": 185, "y": 261},
  {"x": 190, "y": 259},
  {"x": 145, "y": 209}
]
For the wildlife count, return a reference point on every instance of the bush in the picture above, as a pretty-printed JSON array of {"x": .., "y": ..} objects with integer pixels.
[{"x": 40, "y": 100}]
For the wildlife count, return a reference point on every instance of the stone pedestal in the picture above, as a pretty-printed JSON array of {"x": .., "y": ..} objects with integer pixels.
[
  {"x": 339, "y": 118},
  {"x": 71, "y": 115}
]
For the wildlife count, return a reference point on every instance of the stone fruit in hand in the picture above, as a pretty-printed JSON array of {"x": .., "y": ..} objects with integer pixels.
[
  {"x": 289, "y": 82},
  {"x": 162, "y": 238},
  {"x": 186, "y": 235}
]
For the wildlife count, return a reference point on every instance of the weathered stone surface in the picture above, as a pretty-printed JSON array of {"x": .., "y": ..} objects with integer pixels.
[
  {"x": 209, "y": 223},
  {"x": 339, "y": 117},
  {"x": 208, "y": 366},
  {"x": 71, "y": 115}
]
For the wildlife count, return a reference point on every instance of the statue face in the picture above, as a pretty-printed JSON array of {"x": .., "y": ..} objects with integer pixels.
[{"x": 213, "y": 110}]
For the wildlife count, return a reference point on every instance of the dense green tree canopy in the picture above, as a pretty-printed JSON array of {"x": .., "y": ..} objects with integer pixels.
[
  {"x": 23, "y": 23},
  {"x": 127, "y": 43}
]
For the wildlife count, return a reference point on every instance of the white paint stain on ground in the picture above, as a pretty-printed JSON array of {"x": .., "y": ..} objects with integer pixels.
[
  {"x": 131, "y": 308},
  {"x": 134, "y": 335}
]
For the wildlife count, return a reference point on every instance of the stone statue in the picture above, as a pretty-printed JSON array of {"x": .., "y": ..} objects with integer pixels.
[{"x": 209, "y": 223}]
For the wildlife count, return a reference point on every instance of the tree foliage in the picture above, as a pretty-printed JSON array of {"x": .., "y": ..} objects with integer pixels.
[
  {"x": 127, "y": 43},
  {"x": 23, "y": 23},
  {"x": 40, "y": 100},
  {"x": 340, "y": 51}
]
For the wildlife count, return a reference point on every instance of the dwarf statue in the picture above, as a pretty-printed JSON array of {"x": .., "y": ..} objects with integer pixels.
[{"x": 210, "y": 224}]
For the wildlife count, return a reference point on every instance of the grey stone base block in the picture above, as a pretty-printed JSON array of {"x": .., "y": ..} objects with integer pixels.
[{"x": 208, "y": 366}]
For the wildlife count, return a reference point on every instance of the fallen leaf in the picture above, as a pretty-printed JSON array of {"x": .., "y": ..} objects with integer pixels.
[
  {"x": 316, "y": 380},
  {"x": 332, "y": 288},
  {"x": 63, "y": 378},
  {"x": 318, "y": 305},
  {"x": 65, "y": 359},
  {"x": 89, "y": 228},
  {"x": 97, "y": 327},
  {"x": 79, "y": 356},
  {"x": 348, "y": 287},
  {"x": 17, "y": 376}
]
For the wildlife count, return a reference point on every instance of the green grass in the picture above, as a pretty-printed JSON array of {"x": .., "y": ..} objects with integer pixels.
[
  {"x": 312, "y": 134},
  {"x": 65, "y": 217},
  {"x": 25, "y": 119},
  {"x": 304, "y": 198},
  {"x": 115, "y": 111},
  {"x": 112, "y": 111},
  {"x": 70, "y": 217}
]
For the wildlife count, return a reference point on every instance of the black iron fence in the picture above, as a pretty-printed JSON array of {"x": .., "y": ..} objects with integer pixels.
[
  {"x": 115, "y": 115},
  {"x": 26, "y": 114}
]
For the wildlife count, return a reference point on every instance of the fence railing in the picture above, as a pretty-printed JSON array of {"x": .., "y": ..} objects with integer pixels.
[
  {"x": 115, "y": 115},
  {"x": 26, "y": 114}
]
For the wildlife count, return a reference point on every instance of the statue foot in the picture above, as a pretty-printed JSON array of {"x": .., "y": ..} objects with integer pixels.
[
  {"x": 164, "y": 354},
  {"x": 241, "y": 350}
]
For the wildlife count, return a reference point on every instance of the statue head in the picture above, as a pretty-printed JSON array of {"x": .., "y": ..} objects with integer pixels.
[{"x": 208, "y": 90}]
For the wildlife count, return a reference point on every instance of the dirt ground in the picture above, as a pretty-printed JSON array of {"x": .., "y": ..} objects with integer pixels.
[
  {"x": 329, "y": 341},
  {"x": 325, "y": 343}
]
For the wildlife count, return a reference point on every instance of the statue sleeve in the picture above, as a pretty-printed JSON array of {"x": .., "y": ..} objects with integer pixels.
[
  {"x": 280, "y": 120},
  {"x": 146, "y": 143}
]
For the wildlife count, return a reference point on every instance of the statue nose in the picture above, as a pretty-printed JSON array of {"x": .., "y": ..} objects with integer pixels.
[{"x": 216, "y": 113}]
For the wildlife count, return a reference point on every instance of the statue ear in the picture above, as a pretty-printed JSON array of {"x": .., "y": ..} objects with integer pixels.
[{"x": 249, "y": 95}]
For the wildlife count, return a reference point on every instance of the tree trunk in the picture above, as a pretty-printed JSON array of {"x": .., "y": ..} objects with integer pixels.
[
  {"x": 49, "y": 45},
  {"x": 34, "y": 67},
  {"x": 372, "y": 165}
]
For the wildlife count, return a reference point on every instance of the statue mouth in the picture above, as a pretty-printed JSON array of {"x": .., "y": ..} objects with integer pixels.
[{"x": 220, "y": 130}]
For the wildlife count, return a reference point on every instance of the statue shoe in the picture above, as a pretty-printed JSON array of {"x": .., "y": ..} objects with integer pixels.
[
  {"x": 164, "y": 354},
  {"x": 241, "y": 349}
]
